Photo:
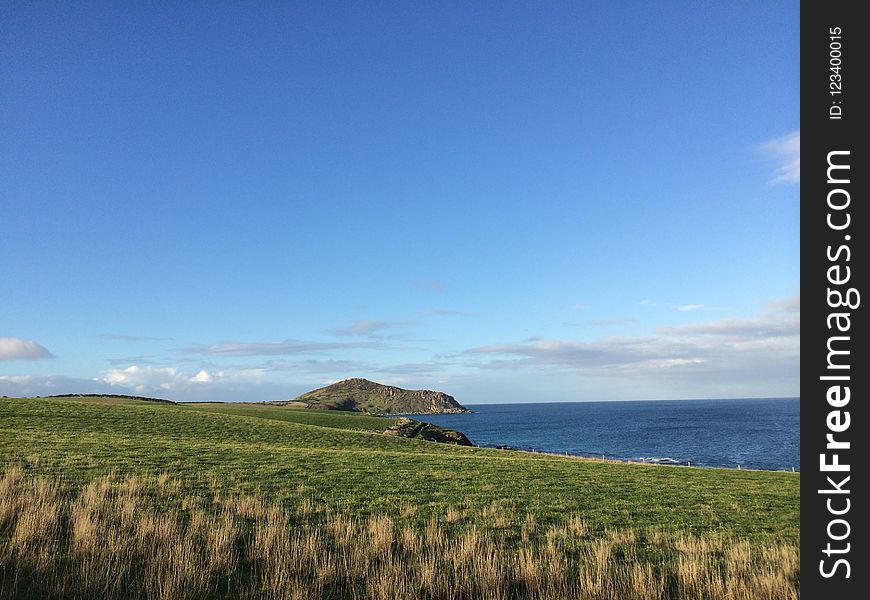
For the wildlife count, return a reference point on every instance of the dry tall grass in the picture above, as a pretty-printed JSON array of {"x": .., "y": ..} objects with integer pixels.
[{"x": 142, "y": 538}]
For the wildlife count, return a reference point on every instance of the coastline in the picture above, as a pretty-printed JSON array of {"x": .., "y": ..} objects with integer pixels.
[
  {"x": 740, "y": 433},
  {"x": 627, "y": 461}
]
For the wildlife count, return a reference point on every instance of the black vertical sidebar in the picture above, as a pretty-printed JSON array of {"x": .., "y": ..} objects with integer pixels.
[{"x": 834, "y": 265}]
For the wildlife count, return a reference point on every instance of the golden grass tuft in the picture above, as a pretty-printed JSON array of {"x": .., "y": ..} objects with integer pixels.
[
  {"x": 380, "y": 535},
  {"x": 136, "y": 537},
  {"x": 408, "y": 511}
]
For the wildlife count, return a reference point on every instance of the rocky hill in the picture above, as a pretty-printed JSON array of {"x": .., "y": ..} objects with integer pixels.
[{"x": 362, "y": 395}]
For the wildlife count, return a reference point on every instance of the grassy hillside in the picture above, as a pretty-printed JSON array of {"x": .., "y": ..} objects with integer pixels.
[
  {"x": 343, "y": 460},
  {"x": 321, "y": 418},
  {"x": 336, "y": 472}
]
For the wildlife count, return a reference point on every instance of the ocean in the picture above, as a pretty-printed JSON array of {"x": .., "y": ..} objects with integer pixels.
[{"x": 749, "y": 433}]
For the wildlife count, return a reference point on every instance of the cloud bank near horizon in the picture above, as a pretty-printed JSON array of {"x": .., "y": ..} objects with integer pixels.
[
  {"x": 696, "y": 359},
  {"x": 715, "y": 358}
]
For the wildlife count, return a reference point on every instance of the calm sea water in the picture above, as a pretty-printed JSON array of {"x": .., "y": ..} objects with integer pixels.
[{"x": 755, "y": 434}]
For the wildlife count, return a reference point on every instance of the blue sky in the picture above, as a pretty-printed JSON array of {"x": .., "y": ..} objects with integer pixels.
[{"x": 506, "y": 201}]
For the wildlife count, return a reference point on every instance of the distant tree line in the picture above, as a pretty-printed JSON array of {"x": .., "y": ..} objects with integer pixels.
[{"x": 127, "y": 396}]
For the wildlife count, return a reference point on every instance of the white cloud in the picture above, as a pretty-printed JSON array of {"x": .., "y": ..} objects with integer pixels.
[
  {"x": 202, "y": 376},
  {"x": 146, "y": 379},
  {"x": 12, "y": 348},
  {"x": 786, "y": 305},
  {"x": 172, "y": 384},
  {"x": 282, "y": 348},
  {"x": 131, "y": 338},
  {"x": 150, "y": 379},
  {"x": 429, "y": 369},
  {"x": 371, "y": 328},
  {"x": 29, "y": 385},
  {"x": 16, "y": 379},
  {"x": 234, "y": 383},
  {"x": 786, "y": 152},
  {"x": 667, "y": 363},
  {"x": 316, "y": 367},
  {"x": 688, "y": 307}
]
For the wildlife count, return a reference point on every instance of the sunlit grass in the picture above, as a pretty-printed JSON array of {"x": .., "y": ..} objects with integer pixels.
[
  {"x": 430, "y": 515},
  {"x": 364, "y": 472},
  {"x": 114, "y": 538}
]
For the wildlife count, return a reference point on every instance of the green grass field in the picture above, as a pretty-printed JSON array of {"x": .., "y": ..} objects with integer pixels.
[
  {"x": 342, "y": 461},
  {"x": 120, "y": 498}
]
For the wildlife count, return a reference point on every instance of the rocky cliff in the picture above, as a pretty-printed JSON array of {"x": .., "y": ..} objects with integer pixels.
[{"x": 410, "y": 428}]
